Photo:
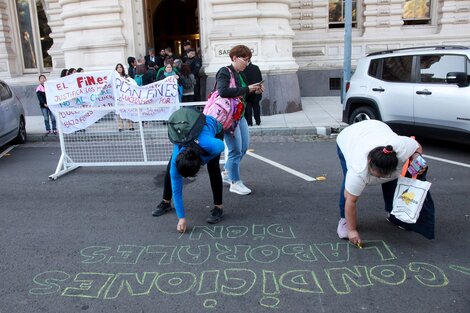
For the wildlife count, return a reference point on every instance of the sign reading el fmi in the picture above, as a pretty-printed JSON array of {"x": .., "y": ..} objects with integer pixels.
[{"x": 223, "y": 50}]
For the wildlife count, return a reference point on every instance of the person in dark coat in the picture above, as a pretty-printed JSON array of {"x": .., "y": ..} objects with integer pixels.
[
  {"x": 150, "y": 58},
  {"x": 151, "y": 75},
  {"x": 253, "y": 75}
]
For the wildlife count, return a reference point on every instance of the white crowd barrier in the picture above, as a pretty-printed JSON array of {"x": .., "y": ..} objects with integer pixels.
[{"x": 114, "y": 142}]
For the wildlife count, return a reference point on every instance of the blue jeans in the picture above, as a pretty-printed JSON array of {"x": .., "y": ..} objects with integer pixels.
[
  {"x": 46, "y": 113},
  {"x": 237, "y": 145},
  {"x": 388, "y": 188}
]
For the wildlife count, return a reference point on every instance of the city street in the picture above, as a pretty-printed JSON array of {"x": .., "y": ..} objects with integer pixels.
[{"x": 87, "y": 242}]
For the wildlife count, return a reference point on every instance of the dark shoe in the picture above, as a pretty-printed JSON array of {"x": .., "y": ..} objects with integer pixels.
[
  {"x": 216, "y": 216},
  {"x": 131, "y": 129},
  {"x": 54, "y": 131},
  {"x": 120, "y": 129},
  {"x": 162, "y": 208},
  {"x": 48, "y": 133},
  {"x": 258, "y": 123}
]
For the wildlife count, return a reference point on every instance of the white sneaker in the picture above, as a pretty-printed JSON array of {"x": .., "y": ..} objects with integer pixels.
[
  {"x": 225, "y": 178},
  {"x": 239, "y": 188},
  {"x": 342, "y": 229}
]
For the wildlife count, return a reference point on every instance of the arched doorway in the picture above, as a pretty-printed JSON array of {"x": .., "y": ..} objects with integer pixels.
[{"x": 174, "y": 22}]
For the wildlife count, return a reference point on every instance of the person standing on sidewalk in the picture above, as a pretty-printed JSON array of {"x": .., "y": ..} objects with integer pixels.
[
  {"x": 253, "y": 75},
  {"x": 238, "y": 140},
  {"x": 49, "y": 118},
  {"x": 370, "y": 153}
]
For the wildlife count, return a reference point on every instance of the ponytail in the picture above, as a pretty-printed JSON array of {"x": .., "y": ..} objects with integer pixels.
[{"x": 383, "y": 160}]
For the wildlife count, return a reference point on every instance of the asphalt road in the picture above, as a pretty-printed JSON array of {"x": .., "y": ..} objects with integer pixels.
[{"x": 87, "y": 242}]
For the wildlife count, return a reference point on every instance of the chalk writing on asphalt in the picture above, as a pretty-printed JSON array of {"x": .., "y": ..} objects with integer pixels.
[{"x": 237, "y": 269}]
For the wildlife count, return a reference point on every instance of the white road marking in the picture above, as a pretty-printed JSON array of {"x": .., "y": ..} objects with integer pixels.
[
  {"x": 446, "y": 161},
  {"x": 7, "y": 150},
  {"x": 280, "y": 166}
]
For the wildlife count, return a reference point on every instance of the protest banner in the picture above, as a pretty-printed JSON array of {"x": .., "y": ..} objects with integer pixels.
[{"x": 79, "y": 100}]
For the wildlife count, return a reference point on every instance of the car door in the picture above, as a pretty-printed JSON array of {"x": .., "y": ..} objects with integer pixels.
[
  {"x": 9, "y": 112},
  {"x": 3, "y": 114},
  {"x": 394, "y": 91},
  {"x": 438, "y": 104}
]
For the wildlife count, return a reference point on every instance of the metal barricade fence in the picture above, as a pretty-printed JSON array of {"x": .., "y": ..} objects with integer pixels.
[{"x": 112, "y": 141}]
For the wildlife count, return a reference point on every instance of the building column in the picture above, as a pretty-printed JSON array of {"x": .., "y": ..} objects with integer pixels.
[
  {"x": 263, "y": 26},
  {"x": 53, "y": 11},
  {"x": 93, "y": 34},
  {"x": 9, "y": 66}
]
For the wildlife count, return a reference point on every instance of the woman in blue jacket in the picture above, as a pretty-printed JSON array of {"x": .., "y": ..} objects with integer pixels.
[{"x": 186, "y": 162}]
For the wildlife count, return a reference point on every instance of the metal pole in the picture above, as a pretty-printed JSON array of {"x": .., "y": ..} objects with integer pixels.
[{"x": 347, "y": 46}]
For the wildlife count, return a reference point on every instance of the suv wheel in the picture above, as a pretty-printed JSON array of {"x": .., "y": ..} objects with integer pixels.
[{"x": 362, "y": 114}]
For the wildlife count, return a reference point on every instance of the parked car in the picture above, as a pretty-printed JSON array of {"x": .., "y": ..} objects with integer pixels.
[
  {"x": 12, "y": 118},
  {"x": 421, "y": 91}
]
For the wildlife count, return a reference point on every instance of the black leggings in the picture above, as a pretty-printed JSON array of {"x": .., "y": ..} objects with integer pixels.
[{"x": 214, "y": 175}]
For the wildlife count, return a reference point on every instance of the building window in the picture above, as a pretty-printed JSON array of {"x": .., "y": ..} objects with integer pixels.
[
  {"x": 417, "y": 12},
  {"x": 34, "y": 34},
  {"x": 335, "y": 83},
  {"x": 44, "y": 32},
  {"x": 336, "y": 13}
]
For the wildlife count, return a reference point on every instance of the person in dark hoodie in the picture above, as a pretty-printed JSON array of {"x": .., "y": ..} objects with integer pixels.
[
  {"x": 151, "y": 75},
  {"x": 46, "y": 112}
]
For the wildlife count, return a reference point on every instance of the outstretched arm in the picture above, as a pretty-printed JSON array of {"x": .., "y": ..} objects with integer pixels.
[{"x": 350, "y": 212}]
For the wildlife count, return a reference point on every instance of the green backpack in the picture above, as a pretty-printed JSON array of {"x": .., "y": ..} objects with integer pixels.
[{"x": 185, "y": 125}]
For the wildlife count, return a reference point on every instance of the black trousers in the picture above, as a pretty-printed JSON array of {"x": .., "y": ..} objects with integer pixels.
[
  {"x": 215, "y": 177},
  {"x": 253, "y": 109}
]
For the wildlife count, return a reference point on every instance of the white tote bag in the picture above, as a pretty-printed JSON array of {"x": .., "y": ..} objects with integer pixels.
[{"x": 408, "y": 199}]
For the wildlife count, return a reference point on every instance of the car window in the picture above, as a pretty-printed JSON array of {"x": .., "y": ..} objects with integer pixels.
[
  {"x": 397, "y": 69},
  {"x": 374, "y": 68},
  {"x": 5, "y": 92},
  {"x": 434, "y": 68}
]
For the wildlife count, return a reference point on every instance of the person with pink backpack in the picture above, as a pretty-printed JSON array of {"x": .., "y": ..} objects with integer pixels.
[{"x": 231, "y": 85}]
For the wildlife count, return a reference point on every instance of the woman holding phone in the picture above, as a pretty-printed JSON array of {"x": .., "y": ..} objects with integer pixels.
[{"x": 237, "y": 141}]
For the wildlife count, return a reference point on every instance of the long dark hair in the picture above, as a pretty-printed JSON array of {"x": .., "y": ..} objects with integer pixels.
[{"x": 185, "y": 70}]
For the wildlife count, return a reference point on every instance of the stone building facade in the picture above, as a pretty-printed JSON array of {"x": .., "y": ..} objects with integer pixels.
[{"x": 298, "y": 45}]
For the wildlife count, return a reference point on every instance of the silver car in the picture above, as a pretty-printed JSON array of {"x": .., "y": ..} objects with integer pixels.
[{"x": 12, "y": 118}]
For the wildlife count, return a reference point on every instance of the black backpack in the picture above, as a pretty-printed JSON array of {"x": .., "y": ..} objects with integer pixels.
[{"x": 184, "y": 126}]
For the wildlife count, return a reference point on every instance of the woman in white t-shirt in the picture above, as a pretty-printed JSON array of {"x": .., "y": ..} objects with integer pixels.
[{"x": 370, "y": 153}]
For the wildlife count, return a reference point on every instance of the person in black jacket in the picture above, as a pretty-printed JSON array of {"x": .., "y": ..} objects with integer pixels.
[
  {"x": 151, "y": 75},
  {"x": 132, "y": 67},
  {"x": 253, "y": 75},
  {"x": 46, "y": 112}
]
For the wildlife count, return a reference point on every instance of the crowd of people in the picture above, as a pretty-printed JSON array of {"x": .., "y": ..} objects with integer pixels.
[{"x": 155, "y": 67}]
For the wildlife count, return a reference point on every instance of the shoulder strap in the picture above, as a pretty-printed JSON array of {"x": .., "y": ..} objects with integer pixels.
[
  {"x": 404, "y": 169},
  {"x": 233, "y": 84}
]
